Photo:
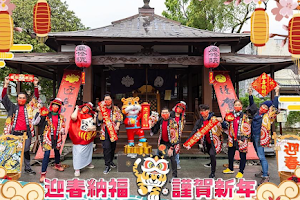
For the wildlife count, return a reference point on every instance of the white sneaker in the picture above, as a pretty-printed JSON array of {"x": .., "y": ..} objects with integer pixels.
[
  {"x": 90, "y": 166},
  {"x": 77, "y": 173}
]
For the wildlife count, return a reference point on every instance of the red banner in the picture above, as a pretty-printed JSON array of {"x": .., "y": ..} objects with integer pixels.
[
  {"x": 211, "y": 77},
  {"x": 68, "y": 92},
  {"x": 224, "y": 91},
  {"x": 108, "y": 122},
  {"x": 21, "y": 77},
  {"x": 264, "y": 84},
  {"x": 200, "y": 133},
  {"x": 145, "y": 116}
]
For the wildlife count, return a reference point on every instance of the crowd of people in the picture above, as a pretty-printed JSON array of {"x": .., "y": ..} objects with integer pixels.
[{"x": 240, "y": 126}]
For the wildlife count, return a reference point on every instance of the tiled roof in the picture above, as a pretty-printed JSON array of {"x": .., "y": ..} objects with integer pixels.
[{"x": 146, "y": 26}]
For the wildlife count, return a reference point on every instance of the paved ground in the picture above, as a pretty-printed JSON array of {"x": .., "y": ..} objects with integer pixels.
[{"x": 191, "y": 168}]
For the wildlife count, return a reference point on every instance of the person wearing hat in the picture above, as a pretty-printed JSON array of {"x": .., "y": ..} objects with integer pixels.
[
  {"x": 19, "y": 119},
  {"x": 178, "y": 113},
  {"x": 257, "y": 132},
  {"x": 82, "y": 132},
  {"x": 109, "y": 147},
  {"x": 51, "y": 126}
]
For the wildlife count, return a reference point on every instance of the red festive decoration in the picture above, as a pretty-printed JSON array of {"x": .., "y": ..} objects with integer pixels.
[
  {"x": 294, "y": 38},
  {"x": 44, "y": 111},
  {"x": 264, "y": 84},
  {"x": 145, "y": 116},
  {"x": 83, "y": 56},
  {"x": 211, "y": 77},
  {"x": 82, "y": 78},
  {"x": 21, "y": 77},
  {"x": 211, "y": 57},
  {"x": 229, "y": 117},
  {"x": 42, "y": 20}
]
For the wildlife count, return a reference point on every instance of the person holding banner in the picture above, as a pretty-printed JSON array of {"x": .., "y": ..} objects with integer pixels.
[
  {"x": 260, "y": 130},
  {"x": 109, "y": 119},
  {"x": 19, "y": 119},
  {"x": 82, "y": 132},
  {"x": 212, "y": 134},
  {"x": 168, "y": 136},
  {"x": 178, "y": 113},
  {"x": 239, "y": 132},
  {"x": 52, "y": 127}
]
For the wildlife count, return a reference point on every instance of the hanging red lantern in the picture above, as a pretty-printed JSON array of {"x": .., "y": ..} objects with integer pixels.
[
  {"x": 83, "y": 56},
  {"x": 294, "y": 39},
  {"x": 211, "y": 57},
  {"x": 42, "y": 20}
]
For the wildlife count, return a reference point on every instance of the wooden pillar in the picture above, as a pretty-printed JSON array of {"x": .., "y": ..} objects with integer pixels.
[
  {"x": 19, "y": 86},
  {"x": 103, "y": 84},
  {"x": 54, "y": 85},
  {"x": 206, "y": 88},
  {"x": 190, "y": 91},
  {"x": 272, "y": 72},
  {"x": 59, "y": 76},
  {"x": 237, "y": 87},
  {"x": 88, "y": 87}
]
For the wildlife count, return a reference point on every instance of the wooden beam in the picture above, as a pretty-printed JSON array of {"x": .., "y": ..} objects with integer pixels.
[
  {"x": 206, "y": 88},
  {"x": 162, "y": 60},
  {"x": 88, "y": 86}
]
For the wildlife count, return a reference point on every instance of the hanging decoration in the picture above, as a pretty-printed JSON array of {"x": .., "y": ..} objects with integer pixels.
[
  {"x": 7, "y": 35},
  {"x": 264, "y": 84},
  {"x": 42, "y": 20},
  {"x": 21, "y": 77},
  {"x": 83, "y": 56},
  {"x": 259, "y": 27},
  {"x": 211, "y": 57},
  {"x": 294, "y": 39}
]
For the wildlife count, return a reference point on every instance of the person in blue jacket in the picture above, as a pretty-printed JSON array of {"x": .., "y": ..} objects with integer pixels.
[{"x": 256, "y": 131}]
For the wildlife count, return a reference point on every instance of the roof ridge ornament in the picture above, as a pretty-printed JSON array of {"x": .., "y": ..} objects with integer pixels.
[{"x": 146, "y": 4}]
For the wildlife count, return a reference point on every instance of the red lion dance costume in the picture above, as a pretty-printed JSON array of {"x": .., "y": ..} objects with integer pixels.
[
  {"x": 132, "y": 110},
  {"x": 82, "y": 132}
]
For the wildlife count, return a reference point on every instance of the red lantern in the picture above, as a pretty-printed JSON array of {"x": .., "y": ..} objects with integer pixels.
[
  {"x": 211, "y": 57},
  {"x": 83, "y": 56},
  {"x": 294, "y": 39},
  {"x": 145, "y": 116},
  {"x": 42, "y": 20}
]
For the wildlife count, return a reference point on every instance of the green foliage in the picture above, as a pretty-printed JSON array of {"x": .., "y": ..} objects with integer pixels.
[
  {"x": 257, "y": 101},
  {"x": 293, "y": 118},
  {"x": 210, "y": 15},
  {"x": 62, "y": 19}
]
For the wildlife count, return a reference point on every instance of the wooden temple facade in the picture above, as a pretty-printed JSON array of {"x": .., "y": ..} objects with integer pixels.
[{"x": 147, "y": 43}]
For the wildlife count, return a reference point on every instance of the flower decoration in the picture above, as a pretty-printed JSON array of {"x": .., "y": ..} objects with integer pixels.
[
  {"x": 287, "y": 7},
  {"x": 254, "y": 1},
  {"x": 5, "y": 5}
]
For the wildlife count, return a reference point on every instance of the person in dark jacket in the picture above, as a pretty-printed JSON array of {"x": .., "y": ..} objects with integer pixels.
[
  {"x": 19, "y": 119},
  {"x": 169, "y": 136},
  {"x": 256, "y": 132},
  {"x": 208, "y": 143}
]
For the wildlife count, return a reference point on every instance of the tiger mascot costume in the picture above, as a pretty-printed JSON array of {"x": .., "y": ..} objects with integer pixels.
[{"x": 132, "y": 110}]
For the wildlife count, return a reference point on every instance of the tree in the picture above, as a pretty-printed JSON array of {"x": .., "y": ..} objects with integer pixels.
[
  {"x": 62, "y": 19},
  {"x": 209, "y": 15}
]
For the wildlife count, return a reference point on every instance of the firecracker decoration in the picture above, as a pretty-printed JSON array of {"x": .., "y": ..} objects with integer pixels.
[
  {"x": 294, "y": 38},
  {"x": 264, "y": 84},
  {"x": 41, "y": 20},
  {"x": 21, "y": 77},
  {"x": 259, "y": 27}
]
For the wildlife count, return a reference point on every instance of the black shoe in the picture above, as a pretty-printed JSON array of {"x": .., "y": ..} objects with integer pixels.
[
  {"x": 207, "y": 165},
  {"x": 212, "y": 176},
  {"x": 260, "y": 175},
  {"x": 30, "y": 172},
  {"x": 107, "y": 170},
  {"x": 264, "y": 179},
  {"x": 113, "y": 165}
]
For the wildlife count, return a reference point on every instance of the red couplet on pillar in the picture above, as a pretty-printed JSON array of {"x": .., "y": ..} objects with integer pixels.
[
  {"x": 211, "y": 77},
  {"x": 145, "y": 116},
  {"x": 83, "y": 78}
]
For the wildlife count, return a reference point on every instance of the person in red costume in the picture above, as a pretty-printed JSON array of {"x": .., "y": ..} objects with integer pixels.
[
  {"x": 82, "y": 132},
  {"x": 52, "y": 127},
  {"x": 19, "y": 119},
  {"x": 178, "y": 113},
  {"x": 132, "y": 110}
]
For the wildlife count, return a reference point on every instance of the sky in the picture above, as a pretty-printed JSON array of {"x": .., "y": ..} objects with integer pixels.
[{"x": 99, "y": 13}]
